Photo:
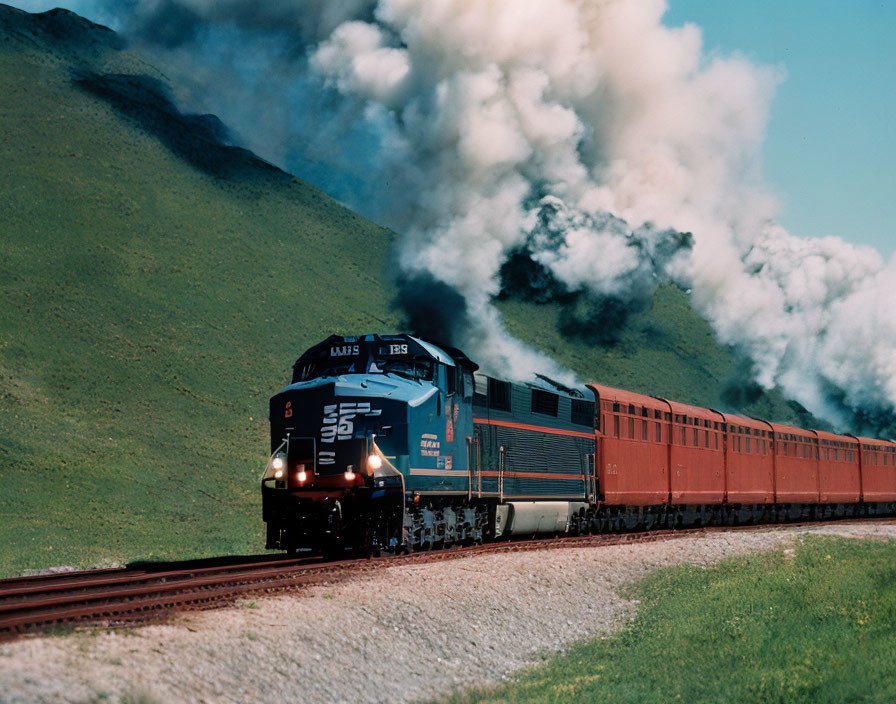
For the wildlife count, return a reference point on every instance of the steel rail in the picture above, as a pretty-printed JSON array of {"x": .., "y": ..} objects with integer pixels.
[
  {"x": 126, "y": 576},
  {"x": 118, "y": 595}
]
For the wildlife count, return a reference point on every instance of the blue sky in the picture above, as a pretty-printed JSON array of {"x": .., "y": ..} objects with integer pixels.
[{"x": 830, "y": 154}]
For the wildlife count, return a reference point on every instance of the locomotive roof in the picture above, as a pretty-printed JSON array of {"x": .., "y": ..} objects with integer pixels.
[{"x": 416, "y": 347}]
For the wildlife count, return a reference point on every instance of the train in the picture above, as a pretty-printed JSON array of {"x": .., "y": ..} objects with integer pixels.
[{"x": 394, "y": 443}]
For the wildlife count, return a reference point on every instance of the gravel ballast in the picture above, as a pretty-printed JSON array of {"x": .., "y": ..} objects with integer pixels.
[{"x": 399, "y": 634}]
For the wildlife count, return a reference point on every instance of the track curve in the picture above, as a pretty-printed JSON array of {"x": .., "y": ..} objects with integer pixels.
[{"x": 148, "y": 591}]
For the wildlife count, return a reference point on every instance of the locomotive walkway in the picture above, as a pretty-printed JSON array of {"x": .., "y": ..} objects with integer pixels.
[{"x": 145, "y": 592}]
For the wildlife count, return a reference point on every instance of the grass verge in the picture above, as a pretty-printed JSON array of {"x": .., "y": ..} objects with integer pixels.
[{"x": 817, "y": 625}]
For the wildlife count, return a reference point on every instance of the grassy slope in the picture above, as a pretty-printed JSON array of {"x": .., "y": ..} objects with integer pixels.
[
  {"x": 155, "y": 288},
  {"x": 665, "y": 350},
  {"x": 147, "y": 311},
  {"x": 814, "y": 628}
]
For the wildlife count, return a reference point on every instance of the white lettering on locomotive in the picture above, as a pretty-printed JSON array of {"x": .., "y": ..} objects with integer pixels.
[
  {"x": 429, "y": 445},
  {"x": 345, "y": 351},
  {"x": 398, "y": 349},
  {"x": 338, "y": 420}
]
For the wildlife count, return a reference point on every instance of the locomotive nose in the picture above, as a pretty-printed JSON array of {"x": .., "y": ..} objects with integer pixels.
[{"x": 353, "y": 463}]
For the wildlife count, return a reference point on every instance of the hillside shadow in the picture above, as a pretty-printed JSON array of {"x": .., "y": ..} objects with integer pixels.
[{"x": 202, "y": 140}]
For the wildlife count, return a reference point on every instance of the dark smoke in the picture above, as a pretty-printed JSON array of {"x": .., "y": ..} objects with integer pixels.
[
  {"x": 524, "y": 279},
  {"x": 586, "y": 317},
  {"x": 869, "y": 419},
  {"x": 599, "y": 321},
  {"x": 595, "y": 312},
  {"x": 170, "y": 25},
  {"x": 432, "y": 309},
  {"x": 175, "y": 23},
  {"x": 740, "y": 388},
  {"x": 805, "y": 419},
  {"x": 604, "y": 254}
]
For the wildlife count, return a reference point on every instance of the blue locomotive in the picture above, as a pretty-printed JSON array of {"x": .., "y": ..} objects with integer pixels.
[{"x": 390, "y": 442}]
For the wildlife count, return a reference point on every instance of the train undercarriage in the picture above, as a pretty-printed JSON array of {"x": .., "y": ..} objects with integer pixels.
[{"x": 395, "y": 523}]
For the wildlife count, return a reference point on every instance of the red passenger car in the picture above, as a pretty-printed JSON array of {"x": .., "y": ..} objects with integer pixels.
[
  {"x": 667, "y": 462},
  {"x": 633, "y": 454},
  {"x": 839, "y": 480},
  {"x": 749, "y": 460},
  {"x": 796, "y": 465},
  {"x": 697, "y": 456},
  {"x": 878, "y": 461}
]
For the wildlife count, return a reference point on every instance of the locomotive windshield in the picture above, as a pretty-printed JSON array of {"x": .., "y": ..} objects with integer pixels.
[
  {"x": 313, "y": 369},
  {"x": 410, "y": 368}
]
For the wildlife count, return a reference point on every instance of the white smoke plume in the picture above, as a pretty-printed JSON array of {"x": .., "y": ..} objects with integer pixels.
[{"x": 584, "y": 130}]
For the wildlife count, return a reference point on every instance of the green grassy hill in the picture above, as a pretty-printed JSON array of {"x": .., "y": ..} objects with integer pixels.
[
  {"x": 150, "y": 303},
  {"x": 155, "y": 288},
  {"x": 664, "y": 350}
]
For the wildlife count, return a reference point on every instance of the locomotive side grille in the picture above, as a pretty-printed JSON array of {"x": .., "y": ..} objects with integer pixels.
[
  {"x": 582, "y": 412},
  {"x": 545, "y": 402},
  {"x": 541, "y": 454}
]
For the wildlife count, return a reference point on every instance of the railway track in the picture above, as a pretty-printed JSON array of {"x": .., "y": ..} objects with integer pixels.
[
  {"x": 145, "y": 592},
  {"x": 150, "y": 591}
]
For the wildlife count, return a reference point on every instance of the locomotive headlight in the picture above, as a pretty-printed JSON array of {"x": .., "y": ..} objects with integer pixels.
[
  {"x": 374, "y": 462},
  {"x": 278, "y": 474},
  {"x": 350, "y": 475},
  {"x": 277, "y": 463},
  {"x": 301, "y": 476}
]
